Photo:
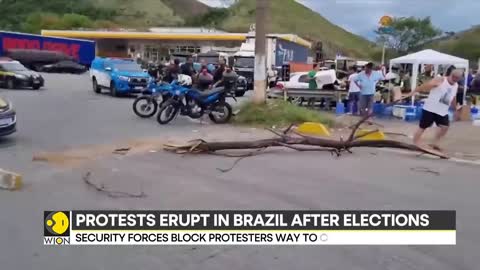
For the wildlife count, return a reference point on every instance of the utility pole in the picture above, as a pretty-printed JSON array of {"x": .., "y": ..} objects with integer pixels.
[{"x": 260, "y": 76}]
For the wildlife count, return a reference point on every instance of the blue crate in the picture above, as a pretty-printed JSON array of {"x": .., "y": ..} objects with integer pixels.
[
  {"x": 411, "y": 114},
  {"x": 378, "y": 108},
  {"x": 388, "y": 111}
]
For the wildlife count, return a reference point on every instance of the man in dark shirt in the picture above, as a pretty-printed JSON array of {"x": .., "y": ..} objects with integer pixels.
[
  {"x": 228, "y": 80},
  {"x": 173, "y": 70},
  {"x": 218, "y": 74},
  {"x": 187, "y": 68}
]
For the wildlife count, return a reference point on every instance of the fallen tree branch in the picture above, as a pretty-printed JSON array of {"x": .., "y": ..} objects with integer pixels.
[
  {"x": 395, "y": 133},
  {"x": 302, "y": 149},
  {"x": 425, "y": 170},
  {"x": 289, "y": 141},
  {"x": 121, "y": 151},
  {"x": 208, "y": 147},
  {"x": 240, "y": 157},
  {"x": 111, "y": 194},
  {"x": 276, "y": 133},
  {"x": 249, "y": 154},
  {"x": 233, "y": 165},
  {"x": 286, "y": 131},
  {"x": 366, "y": 134}
]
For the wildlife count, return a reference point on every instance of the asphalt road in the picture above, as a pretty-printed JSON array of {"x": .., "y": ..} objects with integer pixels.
[{"x": 67, "y": 114}]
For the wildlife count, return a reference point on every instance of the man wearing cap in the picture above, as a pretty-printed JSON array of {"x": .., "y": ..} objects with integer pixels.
[
  {"x": 367, "y": 81},
  {"x": 442, "y": 96}
]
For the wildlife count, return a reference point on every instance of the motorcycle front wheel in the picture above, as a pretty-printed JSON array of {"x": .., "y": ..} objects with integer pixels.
[
  {"x": 221, "y": 113},
  {"x": 167, "y": 112},
  {"x": 145, "y": 106}
]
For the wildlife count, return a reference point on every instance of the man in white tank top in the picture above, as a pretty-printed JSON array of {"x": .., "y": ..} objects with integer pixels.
[{"x": 442, "y": 97}]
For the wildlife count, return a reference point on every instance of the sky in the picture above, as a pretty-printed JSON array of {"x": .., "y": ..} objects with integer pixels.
[{"x": 361, "y": 16}]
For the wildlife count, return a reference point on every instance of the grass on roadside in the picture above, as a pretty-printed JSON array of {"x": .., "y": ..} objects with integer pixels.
[{"x": 279, "y": 113}]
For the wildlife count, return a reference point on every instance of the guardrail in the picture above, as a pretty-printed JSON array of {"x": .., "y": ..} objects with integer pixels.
[{"x": 337, "y": 94}]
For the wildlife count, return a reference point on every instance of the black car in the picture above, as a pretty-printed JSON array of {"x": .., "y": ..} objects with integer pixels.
[
  {"x": 15, "y": 75},
  {"x": 8, "y": 118},
  {"x": 35, "y": 59},
  {"x": 64, "y": 67}
]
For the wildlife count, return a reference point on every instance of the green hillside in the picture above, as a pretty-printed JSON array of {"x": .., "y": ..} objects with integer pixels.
[
  {"x": 465, "y": 45},
  {"x": 35, "y": 15},
  {"x": 187, "y": 8},
  {"x": 148, "y": 13},
  {"x": 288, "y": 16}
]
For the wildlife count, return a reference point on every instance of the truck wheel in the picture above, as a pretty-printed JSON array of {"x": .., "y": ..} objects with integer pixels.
[
  {"x": 95, "y": 86},
  {"x": 36, "y": 87},
  {"x": 10, "y": 84},
  {"x": 113, "y": 90}
]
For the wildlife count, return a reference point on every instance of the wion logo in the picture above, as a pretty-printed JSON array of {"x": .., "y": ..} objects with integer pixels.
[{"x": 56, "y": 228}]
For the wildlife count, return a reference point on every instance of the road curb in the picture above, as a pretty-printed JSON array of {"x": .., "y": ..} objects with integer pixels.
[
  {"x": 10, "y": 180},
  {"x": 408, "y": 153}
]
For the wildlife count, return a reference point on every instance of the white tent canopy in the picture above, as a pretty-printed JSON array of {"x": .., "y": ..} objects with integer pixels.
[{"x": 430, "y": 57}]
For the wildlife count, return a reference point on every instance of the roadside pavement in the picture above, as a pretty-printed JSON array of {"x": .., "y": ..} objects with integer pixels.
[{"x": 277, "y": 179}]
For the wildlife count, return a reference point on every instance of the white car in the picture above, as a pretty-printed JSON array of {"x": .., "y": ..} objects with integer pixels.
[{"x": 300, "y": 80}]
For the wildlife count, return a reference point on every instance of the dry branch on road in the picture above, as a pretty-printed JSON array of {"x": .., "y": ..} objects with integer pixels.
[
  {"x": 109, "y": 193},
  {"x": 293, "y": 140}
]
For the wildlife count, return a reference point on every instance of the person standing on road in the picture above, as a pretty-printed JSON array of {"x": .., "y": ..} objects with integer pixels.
[
  {"x": 442, "y": 96},
  {"x": 367, "y": 81},
  {"x": 272, "y": 77},
  {"x": 312, "y": 82},
  {"x": 470, "y": 78},
  {"x": 353, "y": 90}
]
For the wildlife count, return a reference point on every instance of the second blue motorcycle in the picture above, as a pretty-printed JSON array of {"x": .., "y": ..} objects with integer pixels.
[{"x": 195, "y": 104}]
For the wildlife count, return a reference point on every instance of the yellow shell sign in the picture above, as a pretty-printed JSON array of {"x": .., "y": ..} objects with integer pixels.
[{"x": 386, "y": 21}]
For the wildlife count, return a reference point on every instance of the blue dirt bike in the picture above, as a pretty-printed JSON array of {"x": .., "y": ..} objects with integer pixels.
[
  {"x": 146, "y": 105},
  {"x": 194, "y": 104}
]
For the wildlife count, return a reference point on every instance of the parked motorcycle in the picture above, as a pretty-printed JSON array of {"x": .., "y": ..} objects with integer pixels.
[
  {"x": 195, "y": 104},
  {"x": 146, "y": 105}
]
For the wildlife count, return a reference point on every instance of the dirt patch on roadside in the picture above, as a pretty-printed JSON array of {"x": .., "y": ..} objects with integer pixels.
[{"x": 79, "y": 156}]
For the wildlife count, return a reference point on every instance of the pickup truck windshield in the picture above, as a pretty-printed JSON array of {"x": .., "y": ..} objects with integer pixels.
[
  {"x": 247, "y": 62},
  {"x": 130, "y": 67},
  {"x": 13, "y": 67}
]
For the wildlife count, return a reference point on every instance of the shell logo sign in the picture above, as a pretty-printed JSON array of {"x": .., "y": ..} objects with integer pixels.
[{"x": 386, "y": 21}]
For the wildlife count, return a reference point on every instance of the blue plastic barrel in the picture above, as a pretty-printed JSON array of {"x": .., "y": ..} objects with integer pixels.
[
  {"x": 388, "y": 111},
  {"x": 340, "y": 108},
  {"x": 411, "y": 113},
  {"x": 475, "y": 114},
  {"x": 378, "y": 108}
]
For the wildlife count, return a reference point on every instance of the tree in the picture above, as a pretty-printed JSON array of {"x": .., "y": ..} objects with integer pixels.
[{"x": 406, "y": 33}]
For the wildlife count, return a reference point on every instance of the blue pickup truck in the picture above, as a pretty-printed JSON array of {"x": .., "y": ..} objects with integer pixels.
[{"x": 119, "y": 76}]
